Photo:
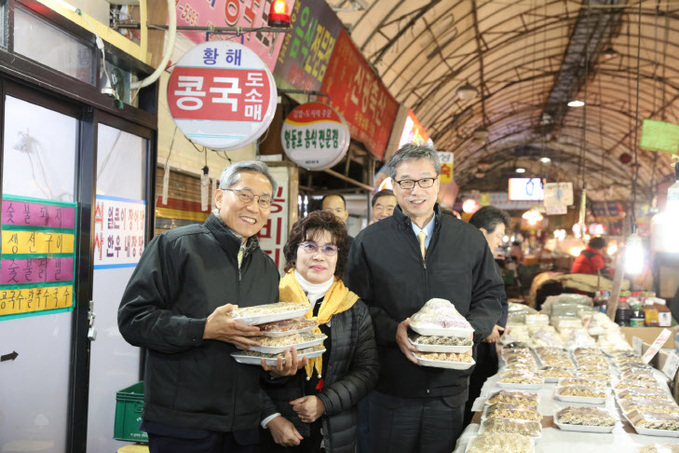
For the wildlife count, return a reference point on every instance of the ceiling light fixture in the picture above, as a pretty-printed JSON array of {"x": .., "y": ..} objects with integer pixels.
[
  {"x": 545, "y": 160},
  {"x": 467, "y": 92},
  {"x": 520, "y": 170},
  {"x": 576, "y": 103}
]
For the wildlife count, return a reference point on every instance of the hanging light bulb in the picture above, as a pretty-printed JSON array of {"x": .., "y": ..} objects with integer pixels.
[{"x": 634, "y": 255}]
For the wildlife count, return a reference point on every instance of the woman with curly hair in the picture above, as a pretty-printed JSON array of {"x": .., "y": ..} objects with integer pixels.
[{"x": 315, "y": 410}]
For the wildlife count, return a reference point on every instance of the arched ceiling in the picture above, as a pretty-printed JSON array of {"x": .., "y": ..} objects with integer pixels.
[{"x": 527, "y": 59}]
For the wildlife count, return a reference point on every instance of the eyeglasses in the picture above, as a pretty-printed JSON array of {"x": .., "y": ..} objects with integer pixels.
[
  {"x": 244, "y": 195},
  {"x": 408, "y": 184},
  {"x": 312, "y": 248}
]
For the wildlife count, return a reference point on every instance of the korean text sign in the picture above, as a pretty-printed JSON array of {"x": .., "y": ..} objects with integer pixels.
[
  {"x": 274, "y": 234},
  {"x": 221, "y": 95},
  {"x": 359, "y": 96},
  {"x": 305, "y": 55},
  {"x": 315, "y": 136},
  {"x": 119, "y": 226},
  {"x": 233, "y": 13},
  {"x": 37, "y": 264}
]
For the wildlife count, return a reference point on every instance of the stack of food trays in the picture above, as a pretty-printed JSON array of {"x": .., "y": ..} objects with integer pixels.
[
  {"x": 591, "y": 362},
  {"x": 282, "y": 326},
  {"x": 580, "y": 390},
  {"x": 495, "y": 442},
  {"x": 511, "y": 412},
  {"x": 556, "y": 363},
  {"x": 647, "y": 404},
  {"x": 442, "y": 336},
  {"x": 584, "y": 419},
  {"x": 520, "y": 368}
]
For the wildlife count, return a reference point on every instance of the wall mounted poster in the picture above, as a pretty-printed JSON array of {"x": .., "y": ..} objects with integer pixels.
[{"x": 37, "y": 262}]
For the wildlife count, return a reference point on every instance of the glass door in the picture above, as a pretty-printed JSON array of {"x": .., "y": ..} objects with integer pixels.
[
  {"x": 37, "y": 275},
  {"x": 119, "y": 221}
]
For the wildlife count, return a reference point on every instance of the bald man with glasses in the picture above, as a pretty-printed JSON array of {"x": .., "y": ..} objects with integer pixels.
[{"x": 396, "y": 265}]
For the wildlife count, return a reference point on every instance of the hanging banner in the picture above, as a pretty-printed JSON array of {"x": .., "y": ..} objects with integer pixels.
[
  {"x": 222, "y": 95},
  {"x": 37, "y": 263},
  {"x": 119, "y": 226},
  {"x": 447, "y": 161},
  {"x": 274, "y": 233},
  {"x": 232, "y": 13},
  {"x": 305, "y": 55},
  {"x": 315, "y": 136},
  {"x": 558, "y": 196},
  {"x": 358, "y": 94}
]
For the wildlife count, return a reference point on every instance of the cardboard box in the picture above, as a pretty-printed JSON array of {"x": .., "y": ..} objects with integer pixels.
[{"x": 648, "y": 335}]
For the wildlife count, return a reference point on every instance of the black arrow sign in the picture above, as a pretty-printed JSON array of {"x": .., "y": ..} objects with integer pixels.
[{"x": 11, "y": 356}]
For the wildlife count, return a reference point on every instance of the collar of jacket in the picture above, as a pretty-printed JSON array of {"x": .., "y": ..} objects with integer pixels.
[
  {"x": 226, "y": 237},
  {"x": 406, "y": 223}
]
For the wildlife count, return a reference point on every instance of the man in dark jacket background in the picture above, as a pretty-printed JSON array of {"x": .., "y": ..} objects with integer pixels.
[
  {"x": 395, "y": 266},
  {"x": 176, "y": 305}
]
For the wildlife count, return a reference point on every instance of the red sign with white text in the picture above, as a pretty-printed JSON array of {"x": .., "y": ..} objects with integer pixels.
[
  {"x": 359, "y": 96},
  {"x": 218, "y": 94}
]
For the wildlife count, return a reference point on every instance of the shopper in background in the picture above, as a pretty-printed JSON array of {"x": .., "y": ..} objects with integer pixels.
[
  {"x": 417, "y": 408},
  {"x": 336, "y": 204},
  {"x": 591, "y": 259},
  {"x": 516, "y": 252},
  {"x": 177, "y": 305},
  {"x": 383, "y": 204},
  {"x": 319, "y": 403},
  {"x": 492, "y": 222}
]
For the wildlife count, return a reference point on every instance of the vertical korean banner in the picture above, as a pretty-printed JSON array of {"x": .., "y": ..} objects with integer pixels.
[
  {"x": 274, "y": 234},
  {"x": 305, "y": 55},
  {"x": 119, "y": 226},
  {"x": 233, "y": 13},
  {"x": 359, "y": 96},
  {"x": 37, "y": 263}
]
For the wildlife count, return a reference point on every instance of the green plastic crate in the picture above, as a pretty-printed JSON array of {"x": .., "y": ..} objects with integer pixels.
[{"x": 129, "y": 403}]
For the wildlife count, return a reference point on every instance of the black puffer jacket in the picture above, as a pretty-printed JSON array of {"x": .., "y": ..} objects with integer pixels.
[
  {"x": 386, "y": 269},
  {"x": 183, "y": 276},
  {"x": 350, "y": 373}
]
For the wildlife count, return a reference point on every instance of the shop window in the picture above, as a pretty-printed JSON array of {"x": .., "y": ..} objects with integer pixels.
[{"x": 51, "y": 47}]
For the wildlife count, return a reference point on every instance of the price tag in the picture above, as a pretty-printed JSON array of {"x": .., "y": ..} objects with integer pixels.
[
  {"x": 636, "y": 344},
  {"x": 657, "y": 344},
  {"x": 671, "y": 365}
]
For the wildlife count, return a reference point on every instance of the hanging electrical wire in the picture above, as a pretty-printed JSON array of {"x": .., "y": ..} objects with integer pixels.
[{"x": 636, "y": 130}]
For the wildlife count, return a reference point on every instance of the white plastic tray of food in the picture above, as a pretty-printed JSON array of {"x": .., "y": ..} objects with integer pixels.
[
  {"x": 446, "y": 364},
  {"x": 584, "y": 428},
  {"x": 254, "y": 360},
  {"x": 579, "y": 399},
  {"x": 444, "y": 331},
  {"x": 262, "y": 319},
  {"x": 482, "y": 428},
  {"x": 531, "y": 448},
  {"x": 439, "y": 347},
  {"x": 285, "y": 334},
  {"x": 656, "y": 432},
  {"x": 298, "y": 346},
  {"x": 517, "y": 386}
]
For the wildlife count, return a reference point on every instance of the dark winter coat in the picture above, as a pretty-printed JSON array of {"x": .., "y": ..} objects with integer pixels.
[
  {"x": 386, "y": 269},
  {"x": 182, "y": 277},
  {"x": 350, "y": 372}
]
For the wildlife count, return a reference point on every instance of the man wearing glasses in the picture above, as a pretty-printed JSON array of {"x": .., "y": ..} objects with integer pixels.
[
  {"x": 395, "y": 266},
  {"x": 177, "y": 304}
]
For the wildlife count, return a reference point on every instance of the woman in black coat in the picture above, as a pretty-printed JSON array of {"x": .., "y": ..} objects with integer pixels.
[{"x": 315, "y": 410}]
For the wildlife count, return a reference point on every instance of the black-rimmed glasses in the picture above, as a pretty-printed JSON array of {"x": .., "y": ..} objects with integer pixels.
[
  {"x": 312, "y": 248},
  {"x": 246, "y": 196},
  {"x": 408, "y": 184}
]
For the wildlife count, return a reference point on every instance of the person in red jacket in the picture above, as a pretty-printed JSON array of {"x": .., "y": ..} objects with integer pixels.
[{"x": 591, "y": 259}]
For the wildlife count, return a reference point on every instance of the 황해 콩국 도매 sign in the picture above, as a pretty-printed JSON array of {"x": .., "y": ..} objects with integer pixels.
[
  {"x": 221, "y": 95},
  {"x": 315, "y": 136}
]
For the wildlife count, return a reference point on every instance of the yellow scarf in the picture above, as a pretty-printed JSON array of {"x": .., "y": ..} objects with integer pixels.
[{"x": 336, "y": 300}]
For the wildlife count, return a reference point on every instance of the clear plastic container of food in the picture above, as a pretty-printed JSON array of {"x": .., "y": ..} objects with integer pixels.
[
  {"x": 490, "y": 442},
  {"x": 515, "y": 397},
  {"x": 510, "y": 426},
  {"x": 514, "y": 411}
]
